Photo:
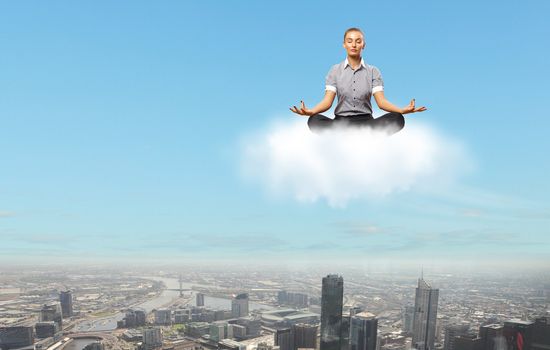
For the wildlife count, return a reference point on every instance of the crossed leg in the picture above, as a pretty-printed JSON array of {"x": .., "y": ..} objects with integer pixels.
[{"x": 389, "y": 122}]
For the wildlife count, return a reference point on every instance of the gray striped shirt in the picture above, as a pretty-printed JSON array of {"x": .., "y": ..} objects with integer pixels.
[{"x": 354, "y": 88}]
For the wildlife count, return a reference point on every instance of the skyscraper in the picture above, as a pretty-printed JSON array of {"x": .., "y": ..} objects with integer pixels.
[
  {"x": 332, "y": 296},
  {"x": 425, "y": 315},
  {"x": 284, "y": 339},
  {"x": 239, "y": 305},
  {"x": 363, "y": 330},
  {"x": 66, "y": 299},
  {"x": 305, "y": 336}
]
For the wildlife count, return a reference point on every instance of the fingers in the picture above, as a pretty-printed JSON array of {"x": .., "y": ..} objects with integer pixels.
[
  {"x": 303, "y": 108},
  {"x": 419, "y": 109},
  {"x": 300, "y": 111}
]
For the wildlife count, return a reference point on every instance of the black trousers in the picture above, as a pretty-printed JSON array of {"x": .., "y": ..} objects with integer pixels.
[{"x": 389, "y": 122}]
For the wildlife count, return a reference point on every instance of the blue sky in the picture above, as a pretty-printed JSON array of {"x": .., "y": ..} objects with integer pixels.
[{"x": 121, "y": 123}]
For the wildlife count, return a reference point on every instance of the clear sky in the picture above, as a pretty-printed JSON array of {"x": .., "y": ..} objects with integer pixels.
[{"x": 121, "y": 123}]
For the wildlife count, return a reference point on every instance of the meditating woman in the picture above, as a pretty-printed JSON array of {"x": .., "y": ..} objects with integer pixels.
[{"x": 354, "y": 82}]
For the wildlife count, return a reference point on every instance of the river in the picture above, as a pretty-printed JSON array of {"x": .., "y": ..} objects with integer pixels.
[{"x": 167, "y": 296}]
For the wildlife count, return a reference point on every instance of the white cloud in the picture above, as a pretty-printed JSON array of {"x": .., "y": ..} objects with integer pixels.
[{"x": 345, "y": 164}]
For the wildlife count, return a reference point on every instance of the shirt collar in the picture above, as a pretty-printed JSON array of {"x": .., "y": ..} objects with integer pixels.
[{"x": 346, "y": 63}]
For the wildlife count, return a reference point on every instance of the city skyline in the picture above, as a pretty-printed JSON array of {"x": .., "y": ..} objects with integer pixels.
[{"x": 480, "y": 313}]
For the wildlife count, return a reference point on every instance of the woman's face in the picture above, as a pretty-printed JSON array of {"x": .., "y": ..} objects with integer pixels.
[{"x": 354, "y": 44}]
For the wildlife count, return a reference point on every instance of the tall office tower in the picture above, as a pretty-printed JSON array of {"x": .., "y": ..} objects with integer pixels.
[
  {"x": 305, "y": 336},
  {"x": 16, "y": 337},
  {"x": 239, "y": 305},
  {"x": 518, "y": 334},
  {"x": 363, "y": 330},
  {"x": 408, "y": 317},
  {"x": 425, "y": 316},
  {"x": 52, "y": 312},
  {"x": 332, "y": 296},
  {"x": 452, "y": 331},
  {"x": 284, "y": 339},
  {"x": 491, "y": 337},
  {"x": 152, "y": 338},
  {"x": 541, "y": 334},
  {"x": 66, "y": 299},
  {"x": 200, "y": 299}
]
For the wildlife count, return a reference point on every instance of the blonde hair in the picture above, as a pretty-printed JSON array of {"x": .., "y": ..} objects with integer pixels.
[{"x": 354, "y": 29}]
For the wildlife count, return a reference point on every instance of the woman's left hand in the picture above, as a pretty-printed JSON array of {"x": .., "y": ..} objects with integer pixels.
[{"x": 412, "y": 109}]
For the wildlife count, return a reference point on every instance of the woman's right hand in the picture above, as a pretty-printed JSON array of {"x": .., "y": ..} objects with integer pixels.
[{"x": 302, "y": 110}]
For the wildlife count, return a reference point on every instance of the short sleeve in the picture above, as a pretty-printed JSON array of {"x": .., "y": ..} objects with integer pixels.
[
  {"x": 377, "y": 82},
  {"x": 330, "y": 81}
]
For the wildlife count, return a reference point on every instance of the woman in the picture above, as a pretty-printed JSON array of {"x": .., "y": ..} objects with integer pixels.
[{"x": 355, "y": 82}]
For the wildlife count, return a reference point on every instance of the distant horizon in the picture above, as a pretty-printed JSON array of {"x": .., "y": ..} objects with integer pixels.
[{"x": 378, "y": 267}]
